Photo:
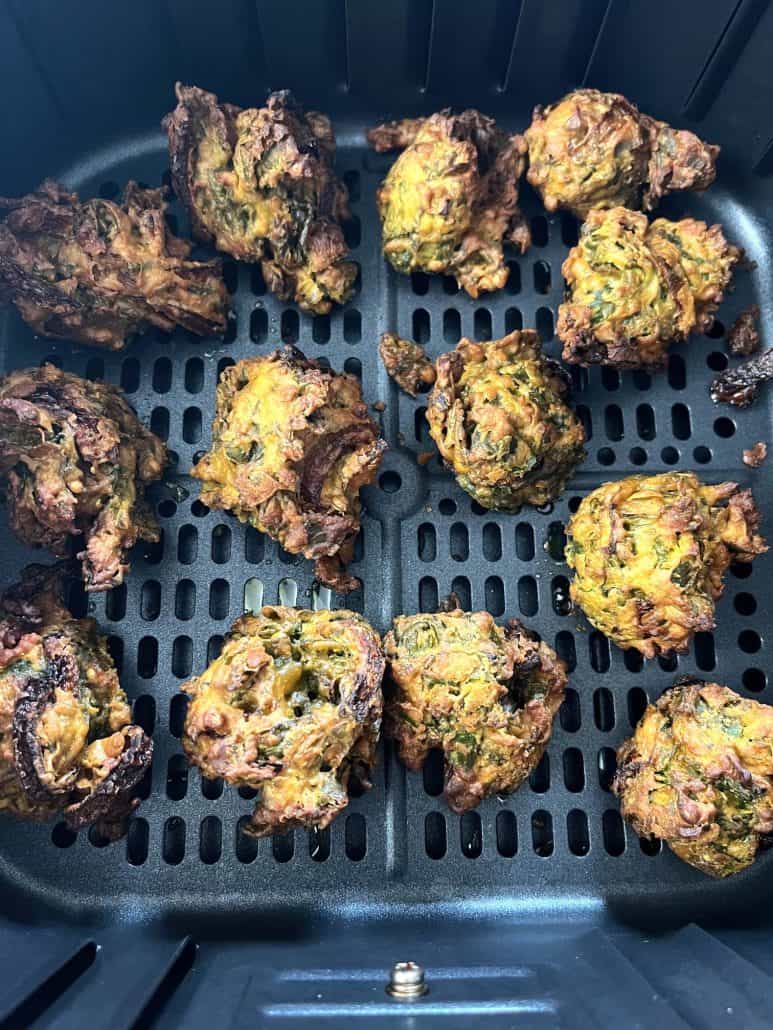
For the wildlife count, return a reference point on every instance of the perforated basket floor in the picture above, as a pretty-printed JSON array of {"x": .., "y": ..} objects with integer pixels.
[{"x": 558, "y": 845}]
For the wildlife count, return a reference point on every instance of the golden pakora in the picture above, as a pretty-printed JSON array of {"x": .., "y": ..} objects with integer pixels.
[
  {"x": 292, "y": 443},
  {"x": 500, "y": 420},
  {"x": 597, "y": 150},
  {"x": 406, "y": 363},
  {"x": 67, "y": 743},
  {"x": 633, "y": 288},
  {"x": 649, "y": 554},
  {"x": 75, "y": 460},
  {"x": 259, "y": 184},
  {"x": 291, "y": 708},
  {"x": 486, "y": 695},
  {"x": 97, "y": 272},
  {"x": 450, "y": 200},
  {"x": 698, "y": 773}
]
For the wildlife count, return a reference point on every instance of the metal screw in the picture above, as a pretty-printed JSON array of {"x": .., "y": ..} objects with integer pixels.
[{"x": 406, "y": 981}]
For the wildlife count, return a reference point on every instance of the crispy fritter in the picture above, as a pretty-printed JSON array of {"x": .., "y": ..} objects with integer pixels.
[
  {"x": 450, "y": 200},
  {"x": 98, "y": 272},
  {"x": 66, "y": 738},
  {"x": 484, "y": 694},
  {"x": 740, "y": 386},
  {"x": 75, "y": 459},
  {"x": 292, "y": 443},
  {"x": 633, "y": 288},
  {"x": 406, "y": 362},
  {"x": 597, "y": 150},
  {"x": 743, "y": 338},
  {"x": 500, "y": 420},
  {"x": 698, "y": 773},
  {"x": 649, "y": 554},
  {"x": 291, "y": 708},
  {"x": 755, "y": 456},
  {"x": 259, "y": 184}
]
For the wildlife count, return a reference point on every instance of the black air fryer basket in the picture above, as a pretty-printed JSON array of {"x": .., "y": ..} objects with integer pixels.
[{"x": 539, "y": 909}]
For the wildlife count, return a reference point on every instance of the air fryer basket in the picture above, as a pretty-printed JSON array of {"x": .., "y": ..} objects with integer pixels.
[{"x": 85, "y": 86}]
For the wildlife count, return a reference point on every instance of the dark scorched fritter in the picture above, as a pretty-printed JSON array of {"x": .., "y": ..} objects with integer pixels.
[
  {"x": 259, "y": 184},
  {"x": 292, "y": 709},
  {"x": 66, "y": 739},
  {"x": 98, "y": 272},
  {"x": 292, "y": 443},
  {"x": 75, "y": 460},
  {"x": 484, "y": 694}
]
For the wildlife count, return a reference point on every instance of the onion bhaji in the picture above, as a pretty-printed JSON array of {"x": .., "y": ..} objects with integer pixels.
[
  {"x": 450, "y": 200},
  {"x": 597, "y": 150},
  {"x": 649, "y": 554},
  {"x": 500, "y": 420},
  {"x": 740, "y": 386},
  {"x": 406, "y": 363},
  {"x": 698, "y": 773},
  {"x": 74, "y": 460},
  {"x": 259, "y": 185},
  {"x": 291, "y": 708},
  {"x": 67, "y": 743},
  {"x": 292, "y": 443},
  {"x": 486, "y": 695},
  {"x": 98, "y": 272},
  {"x": 633, "y": 288}
]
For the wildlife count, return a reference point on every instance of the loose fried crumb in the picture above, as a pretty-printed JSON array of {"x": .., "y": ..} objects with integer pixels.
[
  {"x": 744, "y": 336},
  {"x": 755, "y": 456}
]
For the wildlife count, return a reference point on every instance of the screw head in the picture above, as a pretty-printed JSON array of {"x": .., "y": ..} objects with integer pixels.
[{"x": 406, "y": 981}]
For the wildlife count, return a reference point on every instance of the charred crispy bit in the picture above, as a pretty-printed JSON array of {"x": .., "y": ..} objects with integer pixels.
[
  {"x": 450, "y": 200},
  {"x": 741, "y": 385},
  {"x": 649, "y": 554},
  {"x": 500, "y": 420},
  {"x": 755, "y": 456},
  {"x": 407, "y": 364},
  {"x": 597, "y": 150},
  {"x": 259, "y": 184},
  {"x": 74, "y": 460},
  {"x": 633, "y": 288},
  {"x": 698, "y": 773},
  {"x": 292, "y": 709},
  {"x": 66, "y": 739},
  {"x": 292, "y": 443},
  {"x": 743, "y": 339},
  {"x": 484, "y": 694},
  {"x": 98, "y": 272}
]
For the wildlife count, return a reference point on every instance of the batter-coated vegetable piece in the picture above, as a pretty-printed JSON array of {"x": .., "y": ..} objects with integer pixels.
[
  {"x": 75, "y": 460},
  {"x": 259, "y": 184},
  {"x": 633, "y": 288},
  {"x": 98, "y": 272},
  {"x": 292, "y": 443},
  {"x": 500, "y": 420},
  {"x": 649, "y": 554},
  {"x": 740, "y": 386},
  {"x": 450, "y": 200},
  {"x": 484, "y": 694},
  {"x": 291, "y": 708},
  {"x": 406, "y": 363},
  {"x": 597, "y": 150},
  {"x": 698, "y": 773},
  {"x": 66, "y": 738}
]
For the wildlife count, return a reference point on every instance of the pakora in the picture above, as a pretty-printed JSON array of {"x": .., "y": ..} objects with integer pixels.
[
  {"x": 259, "y": 185},
  {"x": 597, "y": 150},
  {"x": 291, "y": 708},
  {"x": 406, "y": 363},
  {"x": 649, "y": 554},
  {"x": 633, "y": 288},
  {"x": 500, "y": 420},
  {"x": 740, "y": 386},
  {"x": 99, "y": 273},
  {"x": 450, "y": 200},
  {"x": 75, "y": 460},
  {"x": 486, "y": 695},
  {"x": 67, "y": 743},
  {"x": 292, "y": 443},
  {"x": 698, "y": 774}
]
